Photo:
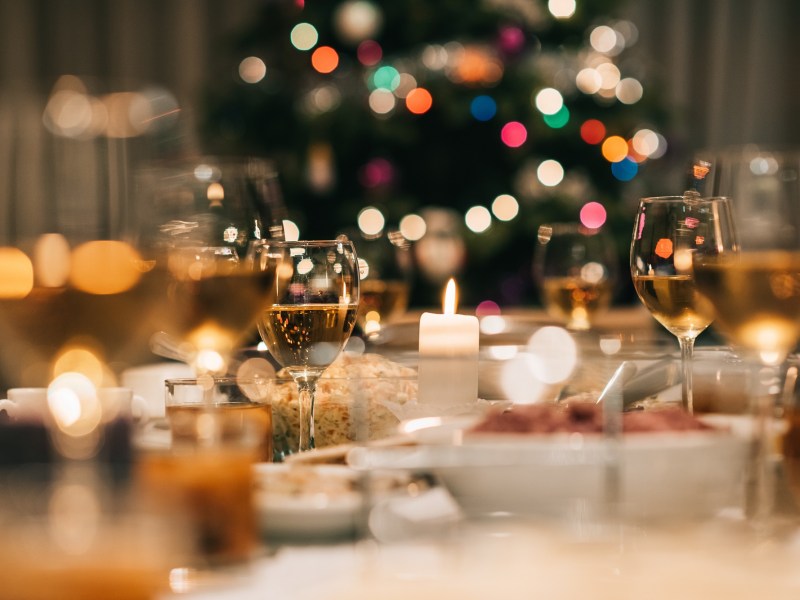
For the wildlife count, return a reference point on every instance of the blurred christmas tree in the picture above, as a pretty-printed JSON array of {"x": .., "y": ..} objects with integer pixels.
[{"x": 471, "y": 122}]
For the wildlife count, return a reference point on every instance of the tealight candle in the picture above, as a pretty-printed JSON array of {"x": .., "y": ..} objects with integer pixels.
[{"x": 448, "y": 355}]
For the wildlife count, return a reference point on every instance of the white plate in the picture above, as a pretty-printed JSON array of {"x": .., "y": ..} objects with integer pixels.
[
  {"x": 661, "y": 474},
  {"x": 308, "y": 502}
]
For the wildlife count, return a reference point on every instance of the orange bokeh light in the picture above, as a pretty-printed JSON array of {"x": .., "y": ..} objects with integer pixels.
[
  {"x": 325, "y": 59},
  {"x": 664, "y": 248},
  {"x": 419, "y": 101},
  {"x": 614, "y": 148}
]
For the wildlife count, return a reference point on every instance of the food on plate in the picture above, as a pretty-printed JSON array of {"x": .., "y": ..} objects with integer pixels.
[
  {"x": 583, "y": 417},
  {"x": 351, "y": 401}
]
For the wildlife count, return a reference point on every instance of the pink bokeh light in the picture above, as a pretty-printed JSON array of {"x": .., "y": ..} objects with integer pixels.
[
  {"x": 514, "y": 134},
  {"x": 593, "y": 215}
]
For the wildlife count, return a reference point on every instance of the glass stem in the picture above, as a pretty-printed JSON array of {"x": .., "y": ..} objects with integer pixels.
[
  {"x": 762, "y": 497},
  {"x": 306, "y": 391},
  {"x": 687, "y": 350}
]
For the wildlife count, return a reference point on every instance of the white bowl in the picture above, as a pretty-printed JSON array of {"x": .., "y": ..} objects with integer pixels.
[{"x": 661, "y": 475}]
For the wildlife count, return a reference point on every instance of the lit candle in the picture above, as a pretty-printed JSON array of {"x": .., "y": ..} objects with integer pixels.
[{"x": 448, "y": 355}]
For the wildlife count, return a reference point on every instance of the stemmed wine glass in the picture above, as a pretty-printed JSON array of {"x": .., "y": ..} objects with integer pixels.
[
  {"x": 198, "y": 222},
  {"x": 756, "y": 292},
  {"x": 576, "y": 270},
  {"x": 312, "y": 311},
  {"x": 668, "y": 232}
]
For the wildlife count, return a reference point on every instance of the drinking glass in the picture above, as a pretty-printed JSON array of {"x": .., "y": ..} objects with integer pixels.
[
  {"x": 312, "y": 311},
  {"x": 576, "y": 270},
  {"x": 755, "y": 292},
  {"x": 197, "y": 220},
  {"x": 668, "y": 232}
]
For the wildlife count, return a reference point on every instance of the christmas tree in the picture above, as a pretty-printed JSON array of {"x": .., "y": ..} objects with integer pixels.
[{"x": 462, "y": 124}]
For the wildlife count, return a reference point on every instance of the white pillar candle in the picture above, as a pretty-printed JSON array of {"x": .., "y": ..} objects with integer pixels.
[{"x": 448, "y": 355}]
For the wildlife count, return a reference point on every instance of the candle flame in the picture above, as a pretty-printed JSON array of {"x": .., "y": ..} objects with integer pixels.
[{"x": 450, "y": 298}]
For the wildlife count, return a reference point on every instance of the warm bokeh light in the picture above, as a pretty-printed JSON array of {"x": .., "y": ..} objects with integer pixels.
[
  {"x": 419, "y": 101},
  {"x": 514, "y": 134},
  {"x": 492, "y": 325},
  {"x": 550, "y": 173},
  {"x": 304, "y": 36},
  {"x": 593, "y": 131},
  {"x": 371, "y": 221},
  {"x": 369, "y": 53},
  {"x": 609, "y": 75},
  {"x": 105, "y": 267},
  {"x": 561, "y": 9},
  {"x": 413, "y": 227},
  {"x": 593, "y": 215},
  {"x": 629, "y": 91},
  {"x": 325, "y": 59},
  {"x": 588, "y": 80},
  {"x": 548, "y": 101},
  {"x": 478, "y": 219},
  {"x": 382, "y": 102},
  {"x": 252, "y": 69},
  {"x": 614, "y": 148},
  {"x": 17, "y": 273},
  {"x": 357, "y": 20},
  {"x": 505, "y": 207},
  {"x": 291, "y": 232},
  {"x": 80, "y": 360},
  {"x": 603, "y": 39},
  {"x": 664, "y": 248},
  {"x": 51, "y": 260},
  {"x": 483, "y": 107},
  {"x": 407, "y": 84},
  {"x": 73, "y": 402},
  {"x": 556, "y": 353},
  {"x": 645, "y": 142}
]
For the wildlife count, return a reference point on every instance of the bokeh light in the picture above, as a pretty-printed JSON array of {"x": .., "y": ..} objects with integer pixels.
[
  {"x": 382, "y": 101},
  {"x": 386, "y": 78},
  {"x": 556, "y": 354},
  {"x": 514, "y": 134},
  {"x": 492, "y": 324},
  {"x": 419, "y": 101},
  {"x": 17, "y": 269},
  {"x": 614, "y": 148},
  {"x": 377, "y": 172},
  {"x": 505, "y": 207},
  {"x": 609, "y": 75},
  {"x": 252, "y": 69},
  {"x": 592, "y": 131},
  {"x": 291, "y": 232},
  {"x": 603, "y": 39},
  {"x": 325, "y": 59},
  {"x": 629, "y": 91},
  {"x": 561, "y": 9},
  {"x": 625, "y": 170},
  {"x": 483, "y": 107},
  {"x": 550, "y": 173},
  {"x": 304, "y": 36},
  {"x": 487, "y": 308},
  {"x": 407, "y": 84},
  {"x": 371, "y": 221},
  {"x": 645, "y": 142},
  {"x": 593, "y": 215},
  {"x": 588, "y": 80},
  {"x": 413, "y": 227},
  {"x": 357, "y": 20},
  {"x": 511, "y": 39},
  {"x": 478, "y": 219},
  {"x": 549, "y": 101},
  {"x": 105, "y": 267},
  {"x": 369, "y": 53},
  {"x": 557, "y": 120}
]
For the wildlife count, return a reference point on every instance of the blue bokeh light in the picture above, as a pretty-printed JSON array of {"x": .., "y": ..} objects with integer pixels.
[{"x": 483, "y": 107}]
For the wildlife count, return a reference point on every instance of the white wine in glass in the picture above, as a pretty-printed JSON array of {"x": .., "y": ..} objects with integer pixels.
[
  {"x": 668, "y": 232},
  {"x": 575, "y": 268},
  {"x": 312, "y": 311},
  {"x": 756, "y": 291}
]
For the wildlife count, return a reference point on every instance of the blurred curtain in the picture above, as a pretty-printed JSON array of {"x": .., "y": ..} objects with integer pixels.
[{"x": 728, "y": 69}]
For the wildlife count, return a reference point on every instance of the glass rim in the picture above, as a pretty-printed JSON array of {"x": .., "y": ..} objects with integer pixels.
[
  {"x": 684, "y": 198},
  {"x": 305, "y": 243}
]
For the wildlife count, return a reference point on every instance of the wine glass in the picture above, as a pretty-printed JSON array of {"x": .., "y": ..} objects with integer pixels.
[
  {"x": 198, "y": 220},
  {"x": 312, "y": 311},
  {"x": 755, "y": 292},
  {"x": 668, "y": 232},
  {"x": 576, "y": 270}
]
